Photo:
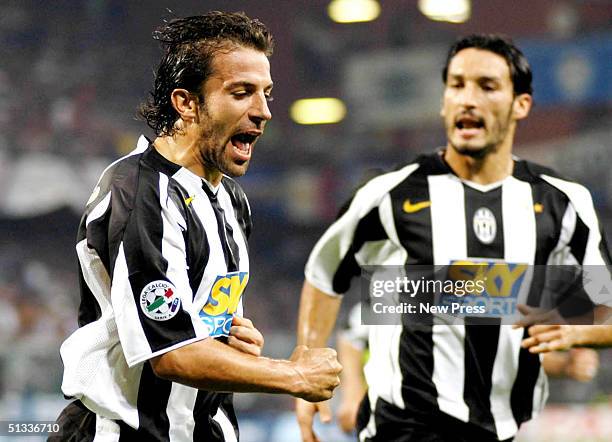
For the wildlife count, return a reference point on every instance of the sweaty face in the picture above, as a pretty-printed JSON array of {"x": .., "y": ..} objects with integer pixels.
[
  {"x": 235, "y": 109},
  {"x": 478, "y": 102}
]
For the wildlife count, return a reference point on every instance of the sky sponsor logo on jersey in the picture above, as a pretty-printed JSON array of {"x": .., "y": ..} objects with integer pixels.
[
  {"x": 503, "y": 283},
  {"x": 159, "y": 300},
  {"x": 223, "y": 302}
]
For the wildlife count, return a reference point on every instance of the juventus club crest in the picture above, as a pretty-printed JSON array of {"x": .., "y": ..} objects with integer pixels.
[
  {"x": 485, "y": 226},
  {"x": 159, "y": 301}
]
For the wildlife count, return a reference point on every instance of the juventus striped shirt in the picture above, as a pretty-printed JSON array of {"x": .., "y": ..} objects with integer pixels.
[
  {"x": 424, "y": 214},
  {"x": 163, "y": 263}
]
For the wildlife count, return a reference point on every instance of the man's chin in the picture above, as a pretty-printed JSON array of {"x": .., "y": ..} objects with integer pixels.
[
  {"x": 476, "y": 152},
  {"x": 236, "y": 170}
]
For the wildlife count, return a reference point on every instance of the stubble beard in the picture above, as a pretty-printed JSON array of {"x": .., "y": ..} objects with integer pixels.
[
  {"x": 477, "y": 154},
  {"x": 501, "y": 130},
  {"x": 213, "y": 150}
]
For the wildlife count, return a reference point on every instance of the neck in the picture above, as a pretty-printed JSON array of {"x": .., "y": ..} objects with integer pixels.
[
  {"x": 183, "y": 149},
  {"x": 493, "y": 167}
]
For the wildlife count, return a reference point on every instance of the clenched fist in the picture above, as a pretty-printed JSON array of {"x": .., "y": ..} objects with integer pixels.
[{"x": 318, "y": 372}]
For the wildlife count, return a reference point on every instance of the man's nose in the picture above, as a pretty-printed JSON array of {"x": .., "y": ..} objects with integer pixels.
[
  {"x": 469, "y": 96},
  {"x": 260, "y": 111}
]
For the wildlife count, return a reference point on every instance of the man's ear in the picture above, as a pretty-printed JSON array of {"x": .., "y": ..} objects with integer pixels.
[
  {"x": 185, "y": 104},
  {"x": 521, "y": 106}
]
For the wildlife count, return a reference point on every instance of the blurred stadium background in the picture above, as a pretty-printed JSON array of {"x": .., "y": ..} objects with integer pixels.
[{"x": 72, "y": 73}]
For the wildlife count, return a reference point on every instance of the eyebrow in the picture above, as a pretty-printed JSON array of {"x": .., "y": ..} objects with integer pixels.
[
  {"x": 246, "y": 84},
  {"x": 486, "y": 78},
  {"x": 481, "y": 78}
]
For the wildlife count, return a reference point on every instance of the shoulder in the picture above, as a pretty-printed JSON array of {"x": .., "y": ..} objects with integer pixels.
[
  {"x": 119, "y": 178},
  {"x": 420, "y": 167},
  {"x": 573, "y": 194},
  {"x": 530, "y": 171},
  {"x": 140, "y": 182},
  {"x": 382, "y": 184},
  {"x": 375, "y": 190},
  {"x": 537, "y": 173}
]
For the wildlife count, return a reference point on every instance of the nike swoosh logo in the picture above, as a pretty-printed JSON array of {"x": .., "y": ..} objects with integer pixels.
[
  {"x": 189, "y": 200},
  {"x": 415, "y": 207}
]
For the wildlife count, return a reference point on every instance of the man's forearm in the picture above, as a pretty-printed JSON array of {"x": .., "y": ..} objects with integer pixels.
[
  {"x": 214, "y": 366},
  {"x": 317, "y": 316},
  {"x": 592, "y": 335},
  {"x": 351, "y": 358}
]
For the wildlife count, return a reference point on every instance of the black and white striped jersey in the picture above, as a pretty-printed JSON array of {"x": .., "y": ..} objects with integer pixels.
[
  {"x": 424, "y": 214},
  {"x": 163, "y": 263}
]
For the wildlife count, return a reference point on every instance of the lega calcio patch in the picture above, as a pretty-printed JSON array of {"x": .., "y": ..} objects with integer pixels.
[{"x": 159, "y": 300}]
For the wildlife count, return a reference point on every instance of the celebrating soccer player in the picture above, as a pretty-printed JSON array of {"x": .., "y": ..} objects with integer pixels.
[
  {"x": 162, "y": 248},
  {"x": 472, "y": 201}
]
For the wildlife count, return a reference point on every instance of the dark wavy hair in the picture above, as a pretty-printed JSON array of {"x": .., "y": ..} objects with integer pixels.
[
  {"x": 190, "y": 45},
  {"x": 520, "y": 71}
]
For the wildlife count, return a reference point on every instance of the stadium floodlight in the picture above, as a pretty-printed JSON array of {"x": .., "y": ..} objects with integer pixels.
[
  {"x": 453, "y": 11},
  {"x": 353, "y": 11},
  {"x": 317, "y": 111}
]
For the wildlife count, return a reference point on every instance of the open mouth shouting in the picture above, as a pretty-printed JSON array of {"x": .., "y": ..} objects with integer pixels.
[
  {"x": 469, "y": 126},
  {"x": 243, "y": 142}
]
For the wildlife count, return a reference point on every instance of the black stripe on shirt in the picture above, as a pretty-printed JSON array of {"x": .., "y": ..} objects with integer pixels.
[
  {"x": 104, "y": 233},
  {"x": 492, "y": 200},
  {"x": 413, "y": 229},
  {"x": 158, "y": 162},
  {"x": 153, "y": 396},
  {"x": 125, "y": 185},
  {"x": 240, "y": 204},
  {"x": 521, "y": 397},
  {"x": 228, "y": 244},
  {"x": 482, "y": 334},
  {"x": 481, "y": 341},
  {"x": 549, "y": 221},
  {"x": 97, "y": 232},
  {"x": 369, "y": 228},
  {"x": 197, "y": 247},
  {"x": 89, "y": 309},
  {"x": 416, "y": 363},
  {"x": 579, "y": 240},
  {"x": 206, "y": 405}
]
